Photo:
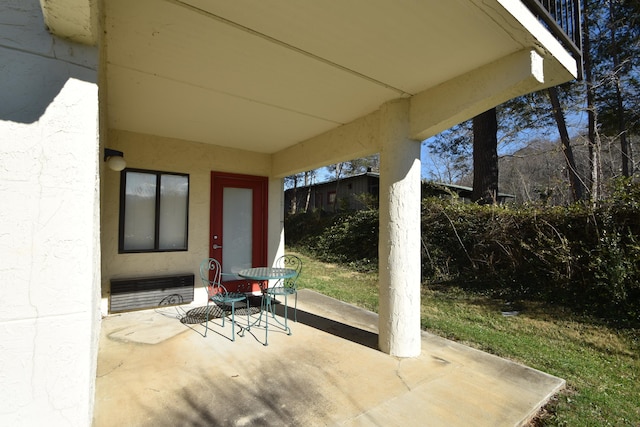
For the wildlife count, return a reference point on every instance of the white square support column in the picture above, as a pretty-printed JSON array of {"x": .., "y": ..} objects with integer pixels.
[
  {"x": 399, "y": 244},
  {"x": 275, "y": 222}
]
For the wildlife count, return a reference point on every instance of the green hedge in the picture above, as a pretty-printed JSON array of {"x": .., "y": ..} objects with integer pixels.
[
  {"x": 587, "y": 258},
  {"x": 577, "y": 256},
  {"x": 348, "y": 237}
]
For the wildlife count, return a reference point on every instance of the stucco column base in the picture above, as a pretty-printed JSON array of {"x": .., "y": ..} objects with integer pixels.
[{"x": 399, "y": 245}]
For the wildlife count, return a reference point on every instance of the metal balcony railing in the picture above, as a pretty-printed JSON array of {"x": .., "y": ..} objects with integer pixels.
[{"x": 563, "y": 19}]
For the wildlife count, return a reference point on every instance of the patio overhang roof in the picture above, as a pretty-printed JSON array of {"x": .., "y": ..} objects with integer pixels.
[{"x": 269, "y": 76}]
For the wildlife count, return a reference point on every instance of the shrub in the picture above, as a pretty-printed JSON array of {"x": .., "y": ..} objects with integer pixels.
[
  {"x": 584, "y": 257},
  {"x": 348, "y": 238}
]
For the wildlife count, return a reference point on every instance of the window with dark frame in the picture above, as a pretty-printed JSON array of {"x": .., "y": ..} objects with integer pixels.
[
  {"x": 331, "y": 198},
  {"x": 154, "y": 211}
]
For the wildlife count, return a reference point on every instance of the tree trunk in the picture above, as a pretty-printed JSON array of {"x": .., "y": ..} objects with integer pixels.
[
  {"x": 293, "y": 209},
  {"x": 594, "y": 146},
  {"x": 574, "y": 180},
  {"x": 307, "y": 183},
  {"x": 485, "y": 158},
  {"x": 619, "y": 102},
  {"x": 307, "y": 199},
  {"x": 339, "y": 170}
]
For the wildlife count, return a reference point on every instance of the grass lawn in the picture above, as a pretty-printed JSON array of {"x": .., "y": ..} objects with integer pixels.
[{"x": 600, "y": 364}]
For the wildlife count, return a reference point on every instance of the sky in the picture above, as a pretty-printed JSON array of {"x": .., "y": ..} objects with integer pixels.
[{"x": 433, "y": 167}]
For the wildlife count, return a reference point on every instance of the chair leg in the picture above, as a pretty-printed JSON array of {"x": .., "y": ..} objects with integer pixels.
[
  {"x": 286, "y": 315},
  {"x": 206, "y": 323},
  {"x": 295, "y": 309},
  {"x": 233, "y": 321},
  {"x": 285, "y": 312},
  {"x": 267, "y": 306},
  {"x": 248, "y": 310},
  {"x": 272, "y": 309},
  {"x": 248, "y": 313},
  {"x": 263, "y": 307}
]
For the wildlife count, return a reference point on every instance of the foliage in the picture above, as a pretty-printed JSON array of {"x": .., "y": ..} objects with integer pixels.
[
  {"x": 348, "y": 237},
  {"x": 354, "y": 166},
  {"x": 583, "y": 257},
  {"x": 615, "y": 51},
  {"x": 519, "y": 120},
  {"x": 303, "y": 228},
  {"x": 453, "y": 151},
  {"x": 611, "y": 92}
]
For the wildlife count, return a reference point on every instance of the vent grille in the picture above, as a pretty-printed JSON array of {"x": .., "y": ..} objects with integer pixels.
[{"x": 149, "y": 292}]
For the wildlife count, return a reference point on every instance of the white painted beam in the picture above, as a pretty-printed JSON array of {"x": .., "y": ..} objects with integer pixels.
[
  {"x": 560, "y": 66},
  {"x": 76, "y": 20},
  {"x": 468, "y": 95},
  {"x": 431, "y": 111},
  {"x": 350, "y": 141}
]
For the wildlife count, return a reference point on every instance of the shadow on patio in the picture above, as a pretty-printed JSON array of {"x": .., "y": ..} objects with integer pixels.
[{"x": 155, "y": 370}]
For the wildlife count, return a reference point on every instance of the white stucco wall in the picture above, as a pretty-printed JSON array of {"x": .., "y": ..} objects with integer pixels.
[
  {"x": 49, "y": 222},
  {"x": 198, "y": 160},
  {"x": 399, "y": 241}
]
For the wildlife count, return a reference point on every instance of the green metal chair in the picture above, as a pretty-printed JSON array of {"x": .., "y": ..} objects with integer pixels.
[
  {"x": 285, "y": 287},
  {"x": 211, "y": 273}
]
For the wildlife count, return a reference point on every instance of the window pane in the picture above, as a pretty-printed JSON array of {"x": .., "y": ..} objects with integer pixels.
[
  {"x": 174, "y": 199},
  {"x": 237, "y": 232},
  {"x": 140, "y": 211}
]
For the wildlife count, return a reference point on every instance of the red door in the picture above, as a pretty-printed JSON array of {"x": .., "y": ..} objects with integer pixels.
[{"x": 238, "y": 228}]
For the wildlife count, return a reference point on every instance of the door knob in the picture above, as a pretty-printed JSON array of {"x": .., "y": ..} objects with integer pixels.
[{"x": 217, "y": 246}]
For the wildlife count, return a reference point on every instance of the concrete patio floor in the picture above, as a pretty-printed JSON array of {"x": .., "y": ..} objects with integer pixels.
[{"x": 154, "y": 370}]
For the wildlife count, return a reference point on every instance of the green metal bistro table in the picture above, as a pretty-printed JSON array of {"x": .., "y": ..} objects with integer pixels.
[{"x": 263, "y": 274}]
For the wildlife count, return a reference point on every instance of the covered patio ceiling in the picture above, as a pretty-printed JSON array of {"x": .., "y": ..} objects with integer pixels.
[{"x": 263, "y": 76}]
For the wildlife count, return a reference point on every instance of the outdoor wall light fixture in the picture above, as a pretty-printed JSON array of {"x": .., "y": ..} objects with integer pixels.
[{"x": 114, "y": 159}]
